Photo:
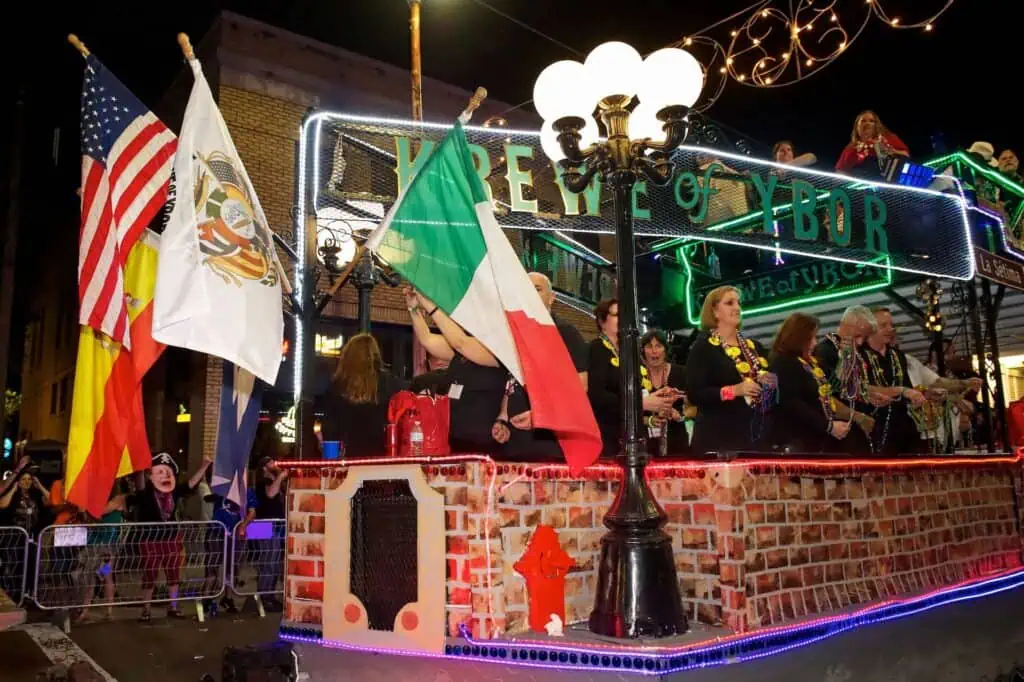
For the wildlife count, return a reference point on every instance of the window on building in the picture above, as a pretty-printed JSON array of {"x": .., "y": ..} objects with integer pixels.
[{"x": 65, "y": 394}]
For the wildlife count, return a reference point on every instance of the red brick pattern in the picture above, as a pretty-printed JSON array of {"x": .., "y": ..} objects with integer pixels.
[
  {"x": 751, "y": 548},
  {"x": 820, "y": 544}
]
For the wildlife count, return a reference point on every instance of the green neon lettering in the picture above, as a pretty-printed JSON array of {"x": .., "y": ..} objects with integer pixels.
[
  {"x": 875, "y": 214},
  {"x": 691, "y": 180},
  {"x": 829, "y": 274},
  {"x": 591, "y": 195},
  {"x": 707, "y": 191},
  {"x": 403, "y": 168},
  {"x": 764, "y": 287},
  {"x": 518, "y": 179},
  {"x": 804, "y": 202},
  {"x": 839, "y": 201},
  {"x": 482, "y": 162},
  {"x": 766, "y": 194}
]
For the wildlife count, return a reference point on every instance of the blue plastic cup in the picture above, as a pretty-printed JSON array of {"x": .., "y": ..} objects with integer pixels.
[{"x": 332, "y": 449}]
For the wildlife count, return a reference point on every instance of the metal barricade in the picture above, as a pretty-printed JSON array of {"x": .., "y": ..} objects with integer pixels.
[
  {"x": 257, "y": 565},
  {"x": 14, "y": 562},
  {"x": 115, "y": 564}
]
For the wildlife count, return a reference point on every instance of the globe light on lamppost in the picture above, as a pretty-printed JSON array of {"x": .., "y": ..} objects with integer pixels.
[{"x": 642, "y": 105}]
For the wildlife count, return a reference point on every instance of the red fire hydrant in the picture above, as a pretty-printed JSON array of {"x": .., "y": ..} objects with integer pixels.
[{"x": 544, "y": 565}]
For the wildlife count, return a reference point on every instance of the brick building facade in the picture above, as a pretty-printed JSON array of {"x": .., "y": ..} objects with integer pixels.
[{"x": 266, "y": 80}]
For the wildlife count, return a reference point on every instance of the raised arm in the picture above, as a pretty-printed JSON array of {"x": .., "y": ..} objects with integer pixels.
[
  {"x": 460, "y": 342},
  {"x": 197, "y": 477},
  {"x": 433, "y": 343}
]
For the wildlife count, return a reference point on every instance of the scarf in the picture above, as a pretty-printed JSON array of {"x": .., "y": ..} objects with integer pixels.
[{"x": 165, "y": 503}]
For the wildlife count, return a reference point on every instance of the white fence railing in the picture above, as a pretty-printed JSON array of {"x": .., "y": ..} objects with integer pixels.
[
  {"x": 145, "y": 562},
  {"x": 106, "y": 564},
  {"x": 14, "y": 562},
  {"x": 257, "y": 559}
]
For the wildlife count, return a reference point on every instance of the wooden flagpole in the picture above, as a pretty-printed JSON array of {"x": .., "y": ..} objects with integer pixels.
[{"x": 78, "y": 44}]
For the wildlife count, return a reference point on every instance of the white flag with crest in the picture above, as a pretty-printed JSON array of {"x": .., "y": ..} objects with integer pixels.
[{"x": 218, "y": 287}]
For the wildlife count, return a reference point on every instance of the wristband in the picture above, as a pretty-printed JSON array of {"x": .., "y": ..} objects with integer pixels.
[
  {"x": 727, "y": 393},
  {"x": 431, "y": 313}
]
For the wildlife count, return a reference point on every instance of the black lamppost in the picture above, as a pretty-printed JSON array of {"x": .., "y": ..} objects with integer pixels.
[
  {"x": 642, "y": 106},
  {"x": 334, "y": 241}
]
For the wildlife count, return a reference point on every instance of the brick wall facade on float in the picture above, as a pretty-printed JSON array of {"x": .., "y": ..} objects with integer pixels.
[{"x": 752, "y": 548}]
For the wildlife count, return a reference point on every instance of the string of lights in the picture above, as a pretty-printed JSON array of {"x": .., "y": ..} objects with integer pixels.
[{"x": 782, "y": 43}]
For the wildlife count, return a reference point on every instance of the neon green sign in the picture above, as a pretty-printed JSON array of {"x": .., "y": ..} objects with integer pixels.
[{"x": 782, "y": 288}]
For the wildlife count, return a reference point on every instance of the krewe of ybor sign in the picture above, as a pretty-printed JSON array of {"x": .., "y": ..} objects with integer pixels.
[{"x": 715, "y": 195}]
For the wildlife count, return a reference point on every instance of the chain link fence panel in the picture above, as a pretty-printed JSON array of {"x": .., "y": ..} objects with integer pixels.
[
  {"x": 14, "y": 562},
  {"x": 257, "y": 557},
  {"x": 75, "y": 564}
]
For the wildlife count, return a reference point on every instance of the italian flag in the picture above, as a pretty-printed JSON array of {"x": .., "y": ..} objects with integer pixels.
[{"x": 442, "y": 237}]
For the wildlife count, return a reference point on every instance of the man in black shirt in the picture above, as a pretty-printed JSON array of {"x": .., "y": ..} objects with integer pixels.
[
  {"x": 270, "y": 505},
  {"x": 895, "y": 431},
  {"x": 574, "y": 342},
  {"x": 521, "y": 440}
]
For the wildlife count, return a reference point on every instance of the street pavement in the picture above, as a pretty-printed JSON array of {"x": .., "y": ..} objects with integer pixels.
[{"x": 124, "y": 650}]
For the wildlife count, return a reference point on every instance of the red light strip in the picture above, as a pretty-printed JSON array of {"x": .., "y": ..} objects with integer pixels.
[{"x": 668, "y": 465}]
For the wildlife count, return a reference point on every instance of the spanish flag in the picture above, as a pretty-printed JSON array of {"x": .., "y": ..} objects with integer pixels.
[{"x": 107, "y": 438}]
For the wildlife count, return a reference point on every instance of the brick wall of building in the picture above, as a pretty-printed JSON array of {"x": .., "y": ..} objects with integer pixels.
[{"x": 752, "y": 547}]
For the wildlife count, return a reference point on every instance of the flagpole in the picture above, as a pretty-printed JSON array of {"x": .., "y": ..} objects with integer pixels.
[{"x": 78, "y": 44}]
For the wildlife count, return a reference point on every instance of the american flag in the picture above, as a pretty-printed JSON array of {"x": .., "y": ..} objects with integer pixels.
[{"x": 127, "y": 156}]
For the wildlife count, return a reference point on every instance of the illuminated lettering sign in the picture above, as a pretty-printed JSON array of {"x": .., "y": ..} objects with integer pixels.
[
  {"x": 573, "y": 269},
  {"x": 349, "y": 162},
  {"x": 285, "y": 426},
  {"x": 782, "y": 288}
]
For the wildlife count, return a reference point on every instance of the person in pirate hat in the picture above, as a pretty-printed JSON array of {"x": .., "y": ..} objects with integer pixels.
[{"x": 157, "y": 502}]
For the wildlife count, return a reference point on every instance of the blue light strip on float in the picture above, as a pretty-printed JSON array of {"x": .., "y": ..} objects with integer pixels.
[{"x": 642, "y": 661}]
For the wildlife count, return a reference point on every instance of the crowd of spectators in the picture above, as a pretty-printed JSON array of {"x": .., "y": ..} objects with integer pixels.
[{"x": 145, "y": 546}]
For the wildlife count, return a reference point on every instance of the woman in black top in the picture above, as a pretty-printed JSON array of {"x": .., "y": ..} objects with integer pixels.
[
  {"x": 805, "y": 419},
  {"x": 356, "y": 408},
  {"x": 662, "y": 373},
  {"x": 604, "y": 381},
  {"x": 725, "y": 372},
  {"x": 475, "y": 382}
]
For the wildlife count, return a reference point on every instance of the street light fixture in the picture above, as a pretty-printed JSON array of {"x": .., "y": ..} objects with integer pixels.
[{"x": 642, "y": 105}]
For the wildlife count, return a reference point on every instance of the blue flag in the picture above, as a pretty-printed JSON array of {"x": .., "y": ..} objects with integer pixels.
[{"x": 240, "y": 396}]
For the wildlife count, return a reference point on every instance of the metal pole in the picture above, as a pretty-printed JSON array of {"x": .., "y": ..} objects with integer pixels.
[
  {"x": 419, "y": 359},
  {"x": 938, "y": 340},
  {"x": 365, "y": 278},
  {"x": 8, "y": 249},
  {"x": 305, "y": 443},
  {"x": 416, "y": 71},
  {"x": 979, "y": 351},
  {"x": 990, "y": 322},
  {"x": 637, "y": 591}
]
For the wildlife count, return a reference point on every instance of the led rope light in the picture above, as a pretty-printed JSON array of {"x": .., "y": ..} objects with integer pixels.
[{"x": 662, "y": 660}]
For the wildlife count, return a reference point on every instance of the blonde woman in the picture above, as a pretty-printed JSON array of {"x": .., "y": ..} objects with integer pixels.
[
  {"x": 725, "y": 376},
  {"x": 869, "y": 139}
]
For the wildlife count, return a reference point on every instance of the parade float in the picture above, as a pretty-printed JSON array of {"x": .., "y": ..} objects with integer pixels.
[{"x": 460, "y": 566}]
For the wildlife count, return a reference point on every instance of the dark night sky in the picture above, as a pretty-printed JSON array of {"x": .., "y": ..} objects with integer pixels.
[{"x": 958, "y": 79}]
